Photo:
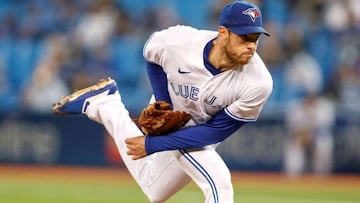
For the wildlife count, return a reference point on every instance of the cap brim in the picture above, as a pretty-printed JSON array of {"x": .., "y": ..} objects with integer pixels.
[{"x": 244, "y": 30}]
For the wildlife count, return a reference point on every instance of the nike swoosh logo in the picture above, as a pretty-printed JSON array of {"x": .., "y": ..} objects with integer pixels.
[{"x": 183, "y": 71}]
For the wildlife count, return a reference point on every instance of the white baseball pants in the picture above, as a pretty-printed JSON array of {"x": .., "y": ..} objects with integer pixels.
[{"x": 162, "y": 174}]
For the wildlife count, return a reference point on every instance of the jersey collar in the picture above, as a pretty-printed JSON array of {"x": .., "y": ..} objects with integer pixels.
[{"x": 207, "y": 63}]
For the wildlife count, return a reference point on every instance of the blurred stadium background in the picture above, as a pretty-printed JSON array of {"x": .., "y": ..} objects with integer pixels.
[{"x": 48, "y": 48}]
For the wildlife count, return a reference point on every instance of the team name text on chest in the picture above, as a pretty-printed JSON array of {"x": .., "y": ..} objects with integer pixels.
[{"x": 186, "y": 91}]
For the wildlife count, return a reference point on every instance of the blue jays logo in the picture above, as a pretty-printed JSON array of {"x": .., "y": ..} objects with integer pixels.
[{"x": 253, "y": 13}]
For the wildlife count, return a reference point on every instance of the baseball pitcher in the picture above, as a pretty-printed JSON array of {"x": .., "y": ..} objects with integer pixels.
[{"x": 214, "y": 76}]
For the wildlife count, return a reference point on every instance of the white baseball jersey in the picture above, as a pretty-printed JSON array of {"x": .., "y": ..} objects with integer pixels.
[{"x": 242, "y": 91}]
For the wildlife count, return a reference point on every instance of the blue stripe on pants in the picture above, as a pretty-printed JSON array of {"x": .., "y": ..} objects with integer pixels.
[{"x": 198, "y": 166}]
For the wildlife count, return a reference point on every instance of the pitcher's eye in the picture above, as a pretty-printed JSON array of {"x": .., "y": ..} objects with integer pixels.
[{"x": 249, "y": 38}]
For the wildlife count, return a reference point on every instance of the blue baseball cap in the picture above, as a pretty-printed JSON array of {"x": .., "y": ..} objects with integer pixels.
[{"x": 242, "y": 18}]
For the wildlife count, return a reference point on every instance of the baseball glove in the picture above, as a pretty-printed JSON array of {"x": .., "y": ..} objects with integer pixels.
[{"x": 159, "y": 118}]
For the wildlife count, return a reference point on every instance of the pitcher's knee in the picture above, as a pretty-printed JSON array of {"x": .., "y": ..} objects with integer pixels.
[
  {"x": 158, "y": 198},
  {"x": 219, "y": 192},
  {"x": 226, "y": 193}
]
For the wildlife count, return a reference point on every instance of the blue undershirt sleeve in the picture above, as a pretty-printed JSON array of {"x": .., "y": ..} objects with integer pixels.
[
  {"x": 158, "y": 81},
  {"x": 215, "y": 130}
]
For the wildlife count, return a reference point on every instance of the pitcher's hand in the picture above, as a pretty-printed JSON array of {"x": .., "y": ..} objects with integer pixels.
[{"x": 136, "y": 147}]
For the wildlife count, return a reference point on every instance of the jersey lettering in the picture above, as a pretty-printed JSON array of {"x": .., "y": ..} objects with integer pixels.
[
  {"x": 186, "y": 91},
  {"x": 212, "y": 100}
]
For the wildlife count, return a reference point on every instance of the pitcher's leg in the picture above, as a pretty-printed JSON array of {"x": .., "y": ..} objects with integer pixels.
[
  {"x": 210, "y": 173},
  {"x": 163, "y": 174},
  {"x": 169, "y": 180},
  {"x": 158, "y": 175}
]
